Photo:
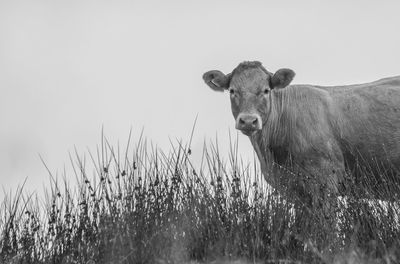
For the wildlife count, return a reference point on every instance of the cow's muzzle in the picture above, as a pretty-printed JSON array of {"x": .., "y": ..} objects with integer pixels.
[{"x": 248, "y": 123}]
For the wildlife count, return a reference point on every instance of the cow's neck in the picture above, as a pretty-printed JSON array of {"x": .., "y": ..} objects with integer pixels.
[{"x": 275, "y": 135}]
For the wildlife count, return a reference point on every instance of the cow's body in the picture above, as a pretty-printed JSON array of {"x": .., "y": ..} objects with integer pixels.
[
  {"x": 330, "y": 130},
  {"x": 317, "y": 141}
]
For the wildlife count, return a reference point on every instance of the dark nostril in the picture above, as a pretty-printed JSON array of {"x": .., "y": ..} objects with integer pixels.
[
  {"x": 255, "y": 121},
  {"x": 241, "y": 121}
]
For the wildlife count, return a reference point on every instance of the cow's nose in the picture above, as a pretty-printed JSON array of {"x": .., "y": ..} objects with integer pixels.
[
  {"x": 251, "y": 121},
  {"x": 248, "y": 122}
]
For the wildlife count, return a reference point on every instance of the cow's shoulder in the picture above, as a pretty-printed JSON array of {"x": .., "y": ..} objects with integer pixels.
[{"x": 305, "y": 91}]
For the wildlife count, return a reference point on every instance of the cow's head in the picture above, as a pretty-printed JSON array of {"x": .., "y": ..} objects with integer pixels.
[{"x": 250, "y": 86}]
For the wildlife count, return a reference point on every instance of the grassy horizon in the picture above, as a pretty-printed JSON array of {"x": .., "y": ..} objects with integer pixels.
[{"x": 144, "y": 205}]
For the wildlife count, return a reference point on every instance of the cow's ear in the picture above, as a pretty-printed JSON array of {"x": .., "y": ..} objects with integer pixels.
[
  {"x": 282, "y": 78},
  {"x": 217, "y": 80}
]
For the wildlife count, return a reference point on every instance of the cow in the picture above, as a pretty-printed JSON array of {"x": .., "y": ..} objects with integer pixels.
[{"x": 316, "y": 142}]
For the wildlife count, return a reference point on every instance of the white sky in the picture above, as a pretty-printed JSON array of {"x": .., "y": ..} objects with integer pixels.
[{"x": 69, "y": 67}]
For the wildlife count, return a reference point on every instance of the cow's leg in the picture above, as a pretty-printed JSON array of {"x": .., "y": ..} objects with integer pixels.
[{"x": 321, "y": 178}]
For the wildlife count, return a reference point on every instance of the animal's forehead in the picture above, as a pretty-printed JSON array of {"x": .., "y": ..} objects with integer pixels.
[{"x": 250, "y": 79}]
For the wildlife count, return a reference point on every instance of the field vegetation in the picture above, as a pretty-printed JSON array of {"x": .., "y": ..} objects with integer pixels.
[{"x": 143, "y": 205}]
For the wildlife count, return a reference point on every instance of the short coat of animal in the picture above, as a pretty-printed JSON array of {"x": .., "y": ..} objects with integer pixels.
[{"x": 326, "y": 132}]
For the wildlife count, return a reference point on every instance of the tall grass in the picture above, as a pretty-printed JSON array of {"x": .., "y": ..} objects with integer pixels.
[{"x": 143, "y": 205}]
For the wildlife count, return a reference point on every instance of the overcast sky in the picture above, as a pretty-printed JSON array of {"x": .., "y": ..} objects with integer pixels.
[{"x": 67, "y": 68}]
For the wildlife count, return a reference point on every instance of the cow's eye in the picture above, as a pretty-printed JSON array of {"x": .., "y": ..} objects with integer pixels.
[
  {"x": 266, "y": 91},
  {"x": 231, "y": 91}
]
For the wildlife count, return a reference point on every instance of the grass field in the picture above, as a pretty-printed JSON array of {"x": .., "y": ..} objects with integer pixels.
[{"x": 143, "y": 205}]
